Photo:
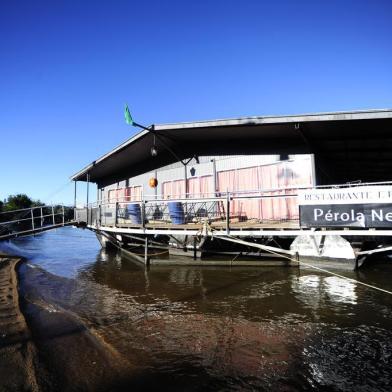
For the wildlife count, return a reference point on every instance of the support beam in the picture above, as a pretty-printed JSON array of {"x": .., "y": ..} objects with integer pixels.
[
  {"x": 88, "y": 186},
  {"x": 75, "y": 190},
  {"x": 227, "y": 213},
  {"x": 146, "y": 259},
  {"x": 32, "y": 219},
  {"x": 194, "y": 248}
]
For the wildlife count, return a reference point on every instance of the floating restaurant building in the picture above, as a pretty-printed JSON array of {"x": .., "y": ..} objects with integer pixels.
[{"x": 314, "y": 185}]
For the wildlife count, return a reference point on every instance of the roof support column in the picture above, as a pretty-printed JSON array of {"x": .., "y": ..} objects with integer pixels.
[
  {"x": 75, "y": 184},
  {"x": 88, "y": 186}
]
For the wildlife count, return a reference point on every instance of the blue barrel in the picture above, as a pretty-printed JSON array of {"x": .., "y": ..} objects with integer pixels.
[
  {"x": 134, "y": 213},
  {"x": 176, "y": 212}
]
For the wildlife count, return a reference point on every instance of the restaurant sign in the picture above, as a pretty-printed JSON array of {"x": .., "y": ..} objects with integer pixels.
[{"x": 365, "y": 207}]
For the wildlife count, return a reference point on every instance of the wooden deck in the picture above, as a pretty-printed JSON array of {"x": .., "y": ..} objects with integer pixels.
[{"x": 217, "y": 225}]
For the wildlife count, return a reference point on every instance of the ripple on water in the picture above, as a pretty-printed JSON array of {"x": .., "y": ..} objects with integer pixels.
[{"x": 356, "y": 358}]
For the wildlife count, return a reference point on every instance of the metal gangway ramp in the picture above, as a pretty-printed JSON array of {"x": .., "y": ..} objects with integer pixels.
[{"x": 28, "y": 221}]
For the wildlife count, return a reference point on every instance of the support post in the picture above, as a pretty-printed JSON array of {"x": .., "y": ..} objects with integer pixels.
[
  {"x": 75, "y": 182},
  {"x": 116, "y": 215},
  {"x": 146, "y": 259},
  {"x": 186, "y": 192},
  {"x": 62, "y": 210},
  {"x": 356, "y": 263},
  {"x": 313, "y": 168},
  {"x": 87, "y": 195},
  {"x": 194, "y": 248},
  {"x": 143, "y": 211},
  {"x": 143, "y": 214},
  {"x": 156, "y": 188},
  {"x": 88, "y": 187},
  {"x": 216, "y": 206},
  {"x": 32, "y": 219},
  {"x": 214, "y": 176},
  {"x": 227, "y": 213},
  {"x": 54, "y": 221},
  {"x": 42, "y": 217}
]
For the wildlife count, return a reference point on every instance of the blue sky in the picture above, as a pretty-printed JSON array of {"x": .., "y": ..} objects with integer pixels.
[{"x": 68, "y": 67}]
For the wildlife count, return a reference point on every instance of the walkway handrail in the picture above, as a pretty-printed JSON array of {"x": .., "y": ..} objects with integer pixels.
[
  {"x": 19, "y": 222},
  {"x": 26, "y": 209}
]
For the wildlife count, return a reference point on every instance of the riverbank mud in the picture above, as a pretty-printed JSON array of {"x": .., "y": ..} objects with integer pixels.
[
  {"x": 45, "y": 348},
  {"x": 18, "y": 356}
]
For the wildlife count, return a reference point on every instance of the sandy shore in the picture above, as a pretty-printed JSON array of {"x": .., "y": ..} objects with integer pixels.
[
  {"x": 18, "y": 357},
  {"x": 48, "y": 349}
]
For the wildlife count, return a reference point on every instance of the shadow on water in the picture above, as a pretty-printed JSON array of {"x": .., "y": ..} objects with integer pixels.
[{"x": 193, "y": 328}]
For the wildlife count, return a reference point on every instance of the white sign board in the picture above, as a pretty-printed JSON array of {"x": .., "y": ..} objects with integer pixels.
[{"x": 362, "y": 206}]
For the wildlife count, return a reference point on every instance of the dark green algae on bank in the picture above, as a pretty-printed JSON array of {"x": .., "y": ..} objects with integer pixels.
[{"x": 99, "y": 322}]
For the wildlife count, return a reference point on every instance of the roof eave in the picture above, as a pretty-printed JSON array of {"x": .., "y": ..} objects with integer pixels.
[
  {"x": 256, "y": 120},
  {"x": 82, "y": 173}
]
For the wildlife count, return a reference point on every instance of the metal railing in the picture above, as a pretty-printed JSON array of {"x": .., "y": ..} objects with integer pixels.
[
  {"x": 34, "y": 219},
  {"x": 221, "y": 209},
  {"x": 273, "y": 206}
]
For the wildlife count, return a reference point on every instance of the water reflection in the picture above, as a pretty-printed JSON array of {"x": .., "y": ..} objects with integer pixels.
[
  {"x": 222, "y": 328},
  {"x": 341, "y": 290},
  {"x": 315, "y": 290}
]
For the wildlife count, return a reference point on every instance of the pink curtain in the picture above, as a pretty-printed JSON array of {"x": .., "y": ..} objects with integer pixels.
[
  {"x": 135, "y": 193},
  {"x": 273, "y": 178},
  {"x": 248, "y": 179},
  {"x": 259, "y": 178},
  {"x": 200, "y": 186},
  {"x": 132, "y": 193},
  {"x": 263, "y": 178},
  {"x": 116, "y": 195},
  {"x": 127, "y": 196},
  {"x": 227, "y": 180},
  {"x": 299, "y": 173},
  {"x": 173, "y": 189},
  {"x": 269, "y": 180}
]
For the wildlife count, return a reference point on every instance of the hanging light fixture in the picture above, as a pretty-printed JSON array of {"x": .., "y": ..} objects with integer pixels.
[{"x": 154, "y": 150}]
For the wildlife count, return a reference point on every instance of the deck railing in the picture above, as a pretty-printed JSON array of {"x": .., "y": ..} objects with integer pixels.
[
  {"x": 223, "y": 210},
  {"x": 33, "y": 219},
  {"x": 220, "y": 209}
]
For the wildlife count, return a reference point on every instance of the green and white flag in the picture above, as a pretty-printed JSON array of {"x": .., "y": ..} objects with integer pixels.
[{"x": 128, "y": 117}]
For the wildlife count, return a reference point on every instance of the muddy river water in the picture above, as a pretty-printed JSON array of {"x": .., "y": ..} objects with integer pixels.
[{"x": 218, "y": 328}]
